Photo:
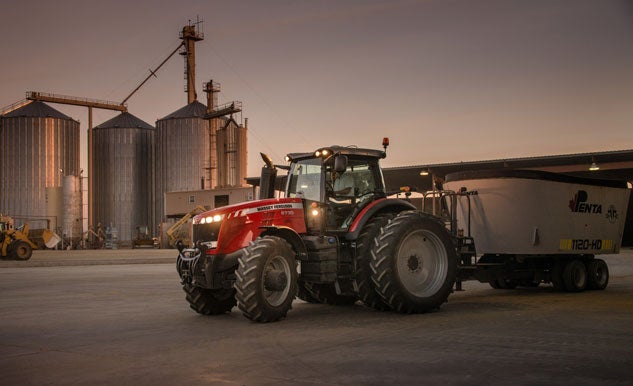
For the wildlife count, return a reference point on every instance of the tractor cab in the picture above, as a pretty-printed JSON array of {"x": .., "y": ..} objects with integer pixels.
[{"x": 335, "y": 184}]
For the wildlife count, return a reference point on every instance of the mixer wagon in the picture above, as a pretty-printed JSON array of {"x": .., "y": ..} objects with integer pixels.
[{"x": 533, "y": 226}]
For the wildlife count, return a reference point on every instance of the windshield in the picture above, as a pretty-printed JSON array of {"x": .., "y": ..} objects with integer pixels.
[
  {"x": 304, "y": 179},
  {"x": 361, "y": 178}
]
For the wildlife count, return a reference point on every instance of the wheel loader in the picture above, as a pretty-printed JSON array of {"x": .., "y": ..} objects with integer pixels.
[{"x": 15, "y": 243}]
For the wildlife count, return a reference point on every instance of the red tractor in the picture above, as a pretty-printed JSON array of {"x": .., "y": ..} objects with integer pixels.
[{"x": 334, "y": 238}]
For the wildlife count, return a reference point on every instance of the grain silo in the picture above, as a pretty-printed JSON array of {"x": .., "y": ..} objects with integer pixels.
[
  {"x": 182, "y": 153},
  {"x": 231, "y": 153},
  {"x": 38, "y": 146},
  {"x": 123, "y": 155}
]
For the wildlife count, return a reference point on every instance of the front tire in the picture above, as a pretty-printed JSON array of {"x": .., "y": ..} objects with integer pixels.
[
  {"x": 414, "y": 263},
  {"x": 21, "y": 250},
  {"x": 266, "y": 279},
  {"x": 210, "y": 301}
]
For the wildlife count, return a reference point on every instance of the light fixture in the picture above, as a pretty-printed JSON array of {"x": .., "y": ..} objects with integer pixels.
[
  {"x": 424, "y": 172},
  {"x": 594, "y": 166}
]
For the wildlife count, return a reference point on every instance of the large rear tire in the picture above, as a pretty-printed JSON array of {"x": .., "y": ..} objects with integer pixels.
[
  {"x": 597, "y": 274},
  {"x": 366, "y": 241},
  {"x": 21, "y": 250},
  {"x": 210, "y": 301},
  {"x": 266, "y": 279},
  {"x": 414, "y": 263}
]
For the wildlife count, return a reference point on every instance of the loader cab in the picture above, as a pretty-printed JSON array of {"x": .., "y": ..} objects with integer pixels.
[{"x": 335, "y": 184}]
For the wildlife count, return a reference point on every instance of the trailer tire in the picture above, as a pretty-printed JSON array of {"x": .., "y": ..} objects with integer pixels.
[
  {"x": 21, "y": 250},
  {"x": 266, "y": 279},
  {"x": 326, "y": 293},
  {"x": 597, "y": 274},
  {"x": 414, "y": 263},
  {"x": 575, "y": 276},
  {"x": 210, "y": 301},
  {"x": 366, "y": 241}
]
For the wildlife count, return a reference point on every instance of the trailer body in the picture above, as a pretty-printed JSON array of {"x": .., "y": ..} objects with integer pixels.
[{"x": 527, "y": 212}]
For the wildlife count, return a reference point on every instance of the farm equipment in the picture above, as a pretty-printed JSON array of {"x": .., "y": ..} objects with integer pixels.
[
  {"x": 143, "y": 238},
  {"x": 176, "y": 232},
  {"x": 15, "y": 243},
  {"x": 336, "y": 238}
]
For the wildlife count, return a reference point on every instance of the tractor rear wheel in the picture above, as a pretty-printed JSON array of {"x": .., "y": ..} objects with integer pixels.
[
  {"x": 367, "y": 239},
  {"x": 210, "y": 301},
  {"x": 414, "y": 263},
  {"x": 21, "y": 250},
  {"x": 266, "y": 279}
]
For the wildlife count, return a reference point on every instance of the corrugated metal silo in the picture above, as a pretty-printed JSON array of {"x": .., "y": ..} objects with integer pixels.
[
  {"x": 38, "y": 145},
  {"x": 232, "y": 155},
  {"x": 182, "y": 153},
  {"x": 123, "y": 155}
]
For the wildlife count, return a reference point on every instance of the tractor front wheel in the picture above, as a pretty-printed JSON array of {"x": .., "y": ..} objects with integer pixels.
[
  {"x": 210, "y": 301},
  {"x": 266, "y": 279}
]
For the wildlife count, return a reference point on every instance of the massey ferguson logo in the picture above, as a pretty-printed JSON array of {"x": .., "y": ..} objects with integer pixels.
[{"x": 580, "y": 205}]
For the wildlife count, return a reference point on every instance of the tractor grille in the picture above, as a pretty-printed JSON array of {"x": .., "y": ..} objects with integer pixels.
[{"x": 206, "y": 232}]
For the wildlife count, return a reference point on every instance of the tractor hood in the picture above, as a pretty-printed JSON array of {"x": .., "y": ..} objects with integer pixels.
[{"x": 244, "y": 209}]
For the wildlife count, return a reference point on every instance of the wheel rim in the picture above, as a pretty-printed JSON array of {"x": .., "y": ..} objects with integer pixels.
[
  {"x": 600, "y": 277},
  {"x": 422, "y": 263},
  {"x": 276, "y": 264}
]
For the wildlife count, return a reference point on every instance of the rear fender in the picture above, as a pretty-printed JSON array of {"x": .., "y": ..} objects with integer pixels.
[{"x": 379, "y": 206}]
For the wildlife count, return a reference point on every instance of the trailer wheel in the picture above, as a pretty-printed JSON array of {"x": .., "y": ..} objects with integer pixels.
[
  {"x": 367, "y": 239},
  {"x": 575, "y": 276},
  {"x": 597, "y": 274},
  {"x": 414, "y": 263},
  {"x": 326, "y": 293},
  {"x": 21, "y": 250},
  {"x": 266, "y": 279},
  {"x": 210, "y": 301}
]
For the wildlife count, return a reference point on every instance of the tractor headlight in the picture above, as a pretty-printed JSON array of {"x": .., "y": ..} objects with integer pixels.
[{"x": 212, "y": 219}]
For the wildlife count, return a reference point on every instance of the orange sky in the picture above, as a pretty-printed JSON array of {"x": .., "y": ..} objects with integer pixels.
[{"x": 446, "y": 80}]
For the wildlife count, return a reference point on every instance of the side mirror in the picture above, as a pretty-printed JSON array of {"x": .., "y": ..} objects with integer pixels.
[{"x": 340, "y": 163}]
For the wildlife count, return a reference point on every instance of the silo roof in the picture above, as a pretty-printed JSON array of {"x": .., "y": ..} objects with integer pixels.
[
  {"x": 193, "y": 109},
  {"x": 125, "y": 120},
  {"x": 37, "y": 109}
]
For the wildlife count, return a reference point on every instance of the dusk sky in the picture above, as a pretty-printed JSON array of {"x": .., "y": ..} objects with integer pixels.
[{"x": 446, "y": 80}]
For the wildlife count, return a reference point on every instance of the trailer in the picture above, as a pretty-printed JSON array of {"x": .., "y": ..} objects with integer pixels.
[{"x": 533, "y": 226}]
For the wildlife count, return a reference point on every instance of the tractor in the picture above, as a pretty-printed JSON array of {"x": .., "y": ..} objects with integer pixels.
[{"x": 333, "y": 237}]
